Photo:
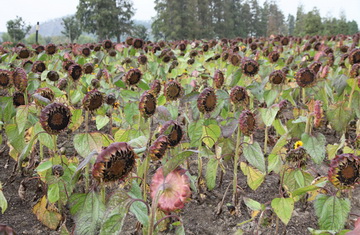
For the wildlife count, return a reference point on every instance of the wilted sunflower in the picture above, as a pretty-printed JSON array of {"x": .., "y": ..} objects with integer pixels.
[
  {"x": 174, "y": 189},
  {"x": 274, "y": 56},
  {"x": 218, "y": 78},
  {"x": 193, "y": 53},
  {"x": 297, "y": 156},
  {"x": 305, "y": 77},
  {"x": 129, "y": 41},
  {"x": 5, "y": 78},
  {"x": 24, "y": 53},
  {"x": 26, "y": 63},
  {"x": 235, "y": 59},
  {"x": 344, "y": 171},
  {"x": 62, "y": 84},
  {"x": 93, "y": 100},
  {"x": 107, "y": 44},
  {"x": 53, "y": 76},
  {"x": 225, "y": 55},
  {"x": 88, "y": 68},
  {"x": 142, "y": 59},
  {"x": 114, "y": 163},
  {"x": 137, "y": 43},
  {"x": 173, "y": 132},
  {"x": 250, "y": 67},
  {"x": 247, "y": 122},
  {"x": 50, "y": 49},
  {"x": 46, "y": 93},
  {"x": 238, "y": 95},
  {"x": 354, "y": 56},
  {"x": 38, "y": 49},
  {"x": 67, "y": 63},
  {"x": 133, "y": 76},
  {"x": 206, "y": 101},
  {"x": 315, "y": 66},
  {"x": 285, "y": 41},
  {"x": 147, "y": 104},
  {"x": 38, "y": 67},
  {"x": 355, "y": 70},
  {"x": 18, "y": 98},
  {"x": 155, "y": 87},
  {"x": 20, "y": 79},
  {"x": 277, "y": 77},
  {"x": 173, "y": 90},
  {"x": 55, "y": 117},
  {"x": 75, "y": 71},
  {"x": 110, "y": 99},
  {"x": 85, "y": 51},
  {"x": 158, "y": 149}
]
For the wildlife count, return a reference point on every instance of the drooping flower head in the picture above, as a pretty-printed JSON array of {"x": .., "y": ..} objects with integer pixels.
[
  {"x": 45, "y": 92},
  {"x": 62, "y": 84},
  {"x": 50, "y": 49},
  {"x": 158, "y": 149},
  {"x": 155, "y": 88},
  {"x": 355, "y": 70},
  {"x": 53, "y": 76},
  {"x": 174, "y": 189},
  {"x": 315, "y": 66},
  {"x": 20, "y": 79},
  {"x": 93, "y": 100},
  {"x": 247, "y": 122},
  {"x": 107, "y": 44},
  {"x": 344, "y": 171},
  {"x": 38, "y": 67},
  {"x": 206, "y": 101},
  {"x": 235, "y": 59},
  {"x": 238, "y": 95},
  {"x": 354, "y": 56},
  {"x": 18, "y": 98},
  {"x": 147, "y": 104},
  {"x": 133, "y": 76},
  {"x": 173, "y": 90},
  {"x": 277, "y": 77},
  {"x": 114, "y": 163},
  {"x": 55, "y": 118},
  {"x": 274, "y": 56},
  {"x": 173, "y": 131},
  {"x": 305, "y": 77},
  {"x": 142, "y": 59},
  {"x": 137, "y": 43},
  {"x": 250, "y": 67},
  {"x": 218, "y": 79},
  {"x": 297, "y": 156},
  {"x": 88, "y": 68},
  {"x": 5, "y": 79},
  {"x": 23, "y": 53},
  {"x": 75, "y": 71}
]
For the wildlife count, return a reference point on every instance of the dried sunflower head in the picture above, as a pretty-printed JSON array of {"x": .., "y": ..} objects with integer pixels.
[
  {"x": 62, "y": 84},
  {"x": 93, "y": 100},
  {"x": 355, "y": 70},
  {"x": 344, "y": 171},
  {"x": 206, "y": 101},
  {"x": 75, "y": 71},
  {"x": 38, "y": 67},
  {"x": 129, "y": 41},
  {"x": 20, "y": 79},
  {"x": 46, "y": 93},
  {"x": 5, "y": 79},
  {"x": 250, "y": 67},
  {"x": 114, "y": 163},
  {"x": 274, "y": 56},
  {"x": 173, "y": 90},
  {"x": 315, "y": 66},
  {"x": 107, "y": 44},
  {"x": 147, "y": 104},
  {"x": 235, "y": 59},
  {"x": 85, "y": 51},
  {"x": 50, "y": 49},
  {"x": 173, "y": 132},
  {"x": 277, "y": 77},
  {"x": 158, "y": 149},
  {"x": 155, "y": 88},
  {"x": 23, "y": 53},
  {"x": 354, "y": 56},
  {"x": 138, "y": 43},
  {"x": 53, "y": 76},
  {"x": 110, "y": 99},
  {"x": 247, "y": 122},
  {"x": 142, "y": 59},
  {"x": 218, "y": 79},
  {"x": 67, "y": 63},
  {"x": 55, "y": 118},
  {"x": 38, "y": 49},
  {"x": 88, "y": 68},
  {"x": 297, "y": 156},
  {"x": 305, "y": 77},
  {"x": 18, "y": 98},
  {"x": 238, "y": 95},
  {"x": 133, "y": 76}
]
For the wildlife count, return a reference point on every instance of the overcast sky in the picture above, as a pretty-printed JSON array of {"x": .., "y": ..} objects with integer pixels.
[{"x": 42, "y": 10}]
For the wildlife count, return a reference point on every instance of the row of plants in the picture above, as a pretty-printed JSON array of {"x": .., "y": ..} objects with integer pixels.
[{"x": 134, "y": 108}]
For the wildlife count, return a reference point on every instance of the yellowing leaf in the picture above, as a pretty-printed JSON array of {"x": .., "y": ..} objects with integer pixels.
[
  {"x": 47, "y": 215},
  {"x": 3, "y": 201},
  {"x": 254, "y": 176}
]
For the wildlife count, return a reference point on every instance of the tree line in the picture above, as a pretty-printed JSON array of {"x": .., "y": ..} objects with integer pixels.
[{"x": 193, "y": 19}]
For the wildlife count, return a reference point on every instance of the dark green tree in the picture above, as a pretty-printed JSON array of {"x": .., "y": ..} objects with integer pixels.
[
  {"x": 352, "y": 27},
  {"x": 299, "y": 22},
  {"x": 72, "y": 28},
  {"x": 275, "y": 24},
  {"x": 17, "y": 29},
  {"x": 291, "y": 24},
  {"x": 312, "y": 22},
  {"x": 105, "y": 18},
  {"x": 204, "y": 20},
  {"x": 140, "y": 31}
]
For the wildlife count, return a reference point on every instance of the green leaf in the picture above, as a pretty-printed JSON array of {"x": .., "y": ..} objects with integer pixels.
[
  {"x": 268, "y": 114},
  {"x": 3, "y": 201},
  {"x": 254, "y": 177},
  {"x": 279, "y": 144},
  {"x": 274, "y": 163},
  {"x": 16, "y": 140},
  {"x": 122, "y": 135},
  {"x": 76, "y": 96},
  {"x": 174, "y": 111},
  {"x": 315, "y": 146},
  {"x": 76, "y": 119},
  {"x": 76, "y": 202},
  {"x": 339, "y": 83},
  {"x": 44, "y": 138},
  {"x": 138, "y": 208},
  {"x": 355, "y": 104},
  {"x": 270, "y": 96},
  {"x": 85, "y": 143},
  {"x": 279, "y": 127},
  {"x": 44, "y": 166},
  {"x": 175, "y": 161},
  {"x": 53, "y": 193},
  {"x": 195, "y": 132},
  {"x": 332, "y": 211},
  {"x": 254, "y": 155},
  {"x": 88, "y": 218},
  {"x": 101, "y": 121},
  {"x": 131, "y": 110},
  {"x": 252, "y": 204},
  {"x": 283, "y": 208},
  {"x": 211, "y": 171},
  {"x": 22, "y": 113},
  {"x": 294, "y": 179},
  {"x": 211, "y": 133},
  {"x": 339, "y": 116}
]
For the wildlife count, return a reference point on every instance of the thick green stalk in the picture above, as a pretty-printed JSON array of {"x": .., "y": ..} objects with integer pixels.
[
  {"x": 236, "y": 163},
  {"x": 352, "y": 92}
]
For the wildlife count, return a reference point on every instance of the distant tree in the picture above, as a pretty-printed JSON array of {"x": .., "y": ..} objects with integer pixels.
[
  {"x": 275, "y": 23},
  {"x": 352, "y": 27},
  {"x": 72, "y": 28},
  {"x": 291, "y": 24},
  {"x": 85, "y": 39},
  {"x": 312, "y": 22},
  {"x": 31, "y": 39},
  {"x": 204, "y": 20},
  {"x": 246, "y": 22},
  {"x": 140, "y": 31},
  {"x": 105, "y": 18},
  {"x": 299, "y": 22},
  {"x": 17, "y": 29},
  {"x": 5, "y": 37}
]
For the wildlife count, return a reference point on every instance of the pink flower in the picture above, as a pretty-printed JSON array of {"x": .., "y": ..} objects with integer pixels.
[{"x": 176, "y": 189}]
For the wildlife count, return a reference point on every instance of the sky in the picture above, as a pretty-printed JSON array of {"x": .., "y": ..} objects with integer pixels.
[{"x": 33, "y": 11}]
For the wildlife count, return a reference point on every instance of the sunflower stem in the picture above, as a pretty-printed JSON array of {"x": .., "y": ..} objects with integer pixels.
[
  {"x": 352, "y": 93},
  {"x": 200, "y": 159},
  {"x": 55, "y": 144},
  {"x": 266, "y": 138},
  {"x": 308, "y": 124},
  {"x": 41, "y": 151},
  {"x": 153, "y": 211},
  {"x": 102, "y": 191},
  {"x": 87, "y": 178},
  {"x": 146, "y": 169},
  {"x": 86, "y": 121},
  {"x": 110, "y": 121},
  {"x": 236, "y": 163}
]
